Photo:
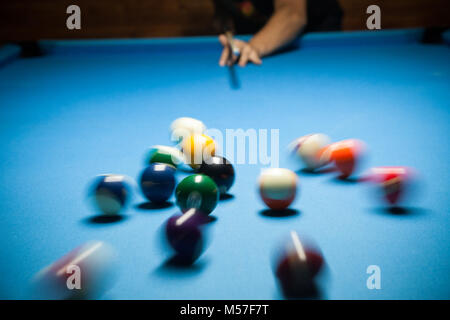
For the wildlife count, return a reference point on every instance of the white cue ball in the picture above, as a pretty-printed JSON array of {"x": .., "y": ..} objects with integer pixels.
[{"x": 184, "y": 127}]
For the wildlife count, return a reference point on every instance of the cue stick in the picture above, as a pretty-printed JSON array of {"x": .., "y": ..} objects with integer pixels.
[{"x": 234, "y": 52}]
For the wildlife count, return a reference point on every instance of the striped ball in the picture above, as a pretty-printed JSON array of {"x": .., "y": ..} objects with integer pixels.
[
  {"x": 308, "y": 147},
  {"x": 278, "y": 187},
  {"x": 111, "y": 193}
]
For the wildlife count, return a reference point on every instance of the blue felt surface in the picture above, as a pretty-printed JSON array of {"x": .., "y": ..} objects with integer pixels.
[{"x": 86, "y": 109}]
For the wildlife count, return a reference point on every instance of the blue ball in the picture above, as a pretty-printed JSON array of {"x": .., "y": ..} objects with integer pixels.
[
  {"x": 111, "y": 193},
  {"x": 158, "y": 182}
]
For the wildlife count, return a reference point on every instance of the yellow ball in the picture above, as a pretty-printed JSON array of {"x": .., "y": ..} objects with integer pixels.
[{"x": 196, "y": 148}]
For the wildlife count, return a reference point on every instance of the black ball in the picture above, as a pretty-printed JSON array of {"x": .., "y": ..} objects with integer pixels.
[{"x": 220, "y": 170}]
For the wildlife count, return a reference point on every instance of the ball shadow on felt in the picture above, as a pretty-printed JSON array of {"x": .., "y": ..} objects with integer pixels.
[
  {"x": 105, "y": 219},
  {"x": 226, "y": 197},
  {"x": 316, "y": 172},
  {"x": 400, "y": 211},
  {"x": 176, "y": 266},
  {"x": 346, "y": 180},
  {"x": 284, "y": 213},
  {"x": 154, "y": 206}
]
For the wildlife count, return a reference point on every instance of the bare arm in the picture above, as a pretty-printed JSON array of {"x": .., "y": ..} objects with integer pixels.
[
  {"x": 284, "y": 25},
  {"x": 287, "y": 21}
]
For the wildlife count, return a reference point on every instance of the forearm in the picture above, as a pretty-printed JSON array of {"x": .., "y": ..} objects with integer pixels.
[{"x": 281, "y": 29}]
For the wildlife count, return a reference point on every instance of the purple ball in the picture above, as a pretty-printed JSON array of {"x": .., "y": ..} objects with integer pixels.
[{"x": 185, "y": 235}]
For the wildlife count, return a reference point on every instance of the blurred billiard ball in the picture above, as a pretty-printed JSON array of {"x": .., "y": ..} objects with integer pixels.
[
  {"x": 184, "y": 127},
  {"x": 307, "y": 148},
  {"x": 197, "y": 191},
  {"x": 297, "y": 266},
  {"x": 220, "y": 170},
  {"x": 197, "y": 148},
  {"x": 185, "y": 235},
  {"x": 346, "y": 155},
  {"x": 278, "y": 187},
  {"x": 157, "y": 182},
  {"x": 394, "y": 185},
  {"x": 111, "y": 193},
  {"x": 86, "y": 272},
  {"x": 164, "y": 154}
]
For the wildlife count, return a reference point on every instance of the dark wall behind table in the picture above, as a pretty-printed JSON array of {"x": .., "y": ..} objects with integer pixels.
[{"x": 44, "y": 19}]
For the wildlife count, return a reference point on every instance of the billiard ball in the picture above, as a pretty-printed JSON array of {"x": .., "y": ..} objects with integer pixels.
[
  {"x": 185, "y": 127},
  {"x": 197, "y": 191},
  {"x": 185, "y": 235},
  {"x": 307, "y": 148},
  {"x": 346, "y": 155},
  {"x": 220, "y": 170},
  {"x": 393, "y": 184},
  {"x": 197, "y": 148},
  {"x": 158, "y": 182},
  {"x": 278, "y": 187},
  {"x": 111, "y": 193},
  {"x": 297, "y": 266},
  {"x": 86, "y": 272},
  {"x": 164, "y": 154}
]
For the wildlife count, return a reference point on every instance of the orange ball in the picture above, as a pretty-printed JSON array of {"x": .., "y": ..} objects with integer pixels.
[
  {"x": 196, "y": 148},
  {"x": 345, "y": 155}
]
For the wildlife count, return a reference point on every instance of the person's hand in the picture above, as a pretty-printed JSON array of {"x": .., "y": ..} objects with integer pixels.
[{"x": 247, "y": 52}]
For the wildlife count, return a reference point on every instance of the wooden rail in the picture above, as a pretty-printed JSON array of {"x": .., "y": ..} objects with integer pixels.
[{"x": 22, "y": 20}]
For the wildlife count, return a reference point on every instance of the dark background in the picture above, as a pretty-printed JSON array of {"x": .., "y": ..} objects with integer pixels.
[{"x": 46, "y": 19}]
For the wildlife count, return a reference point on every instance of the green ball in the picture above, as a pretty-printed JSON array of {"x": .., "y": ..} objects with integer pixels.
[
  {"x": 197, "y": 191},
  {"x": 164, "y": 154}
]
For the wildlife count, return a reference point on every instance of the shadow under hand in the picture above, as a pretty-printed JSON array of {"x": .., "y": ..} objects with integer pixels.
[
  {"x": 154, "y": 206},
  {"x": 271, "y": 213},
  {"x": 104, "y": 219}
]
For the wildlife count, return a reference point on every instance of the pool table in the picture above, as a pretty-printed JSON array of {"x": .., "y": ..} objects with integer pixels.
[{"x": 88, "y": 107}]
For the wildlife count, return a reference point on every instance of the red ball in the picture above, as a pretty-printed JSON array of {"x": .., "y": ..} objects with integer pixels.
[
  {"x": 393, "y": 183},
  {"x": 86, "y": 272},
  {"x": 297, "y": 267}
]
